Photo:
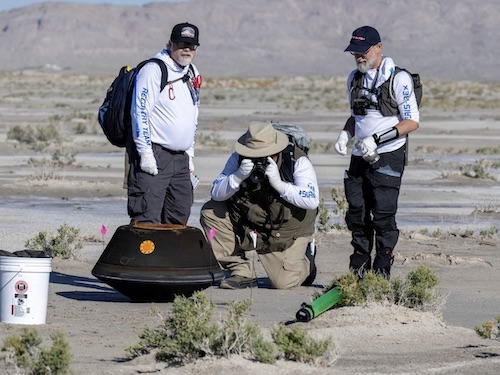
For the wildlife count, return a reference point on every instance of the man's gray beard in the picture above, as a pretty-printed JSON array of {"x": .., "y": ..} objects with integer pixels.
[
  {"x": 184, "y": 61},
  {"x": 366, "y": 66}
]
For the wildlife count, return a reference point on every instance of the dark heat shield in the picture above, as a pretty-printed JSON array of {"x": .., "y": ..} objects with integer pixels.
[{"x": 158, "y": 263}]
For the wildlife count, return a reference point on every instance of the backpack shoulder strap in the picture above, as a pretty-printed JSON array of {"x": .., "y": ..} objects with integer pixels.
[
  {"x": 163, "y": 67},
  {"x": 357, "y": 80},
  {"x": 398, "y": 69}
]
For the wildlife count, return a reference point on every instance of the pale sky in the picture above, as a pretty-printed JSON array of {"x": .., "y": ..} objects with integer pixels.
[{"x": 10, "y": 4}]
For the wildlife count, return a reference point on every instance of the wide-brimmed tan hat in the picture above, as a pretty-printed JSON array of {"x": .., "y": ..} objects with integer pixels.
[{"x": 261, "y": 140}]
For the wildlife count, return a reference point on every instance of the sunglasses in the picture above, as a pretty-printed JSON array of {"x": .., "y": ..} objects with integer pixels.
[
  {"x": 361, "y": 54},
  {"x": 183, "y": 45}
]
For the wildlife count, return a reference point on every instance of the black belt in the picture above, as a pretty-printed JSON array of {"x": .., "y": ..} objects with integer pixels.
[{"x": 168, "y": 150}]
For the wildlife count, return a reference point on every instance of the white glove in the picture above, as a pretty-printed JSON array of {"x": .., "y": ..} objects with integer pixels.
[
  {"x": 273, "y": 175},
  {"x": 245, "y": 169},
  {"x": 148, "y": 162},
  {"x": 341, "y": 145},
  {"x": 367, "y": 145}
]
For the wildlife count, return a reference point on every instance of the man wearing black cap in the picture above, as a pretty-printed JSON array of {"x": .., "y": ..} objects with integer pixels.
[
  {"x": 164, "y": 126},
  {"x": 379, "y": 126}
]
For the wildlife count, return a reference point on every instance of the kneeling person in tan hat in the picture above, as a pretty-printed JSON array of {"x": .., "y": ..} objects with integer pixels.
[{"x": 265, "y": 199}]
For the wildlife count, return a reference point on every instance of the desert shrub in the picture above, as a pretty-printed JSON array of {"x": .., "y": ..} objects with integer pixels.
[
  {"x": 45, "y": 169},
  {"x": 26, "y": 353},
  {"x": 37, "y": 139},
  {"x": 416, "y": 290},
  {"x": 375, "y": 288},
  {"x": 489, "y": 232},
  {"x": 338, "y": 196},
  {"x": 296, "y": 344},
  {"x": 490, "y": 329},
  {"x": 372, "y": 288},
  {"x": 21, "y": 134},
  {"x": 63, "y": 157},
  {"x": 189, "y": 334},
  {"x": 323, "y": 216},
  {"x": 64, "y": 244},
  {"x": 488, "y": 150},
  {"x": 264, "y": 351},
  {"x": 186, "y": 335},
  {"x": 481, "y": 169},
  {"x": 437, "y": 233},
  {"x": 235, "y": 333}
]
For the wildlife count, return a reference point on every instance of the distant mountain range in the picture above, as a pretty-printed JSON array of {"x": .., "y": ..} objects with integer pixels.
[{"x": 447, "y": 39}]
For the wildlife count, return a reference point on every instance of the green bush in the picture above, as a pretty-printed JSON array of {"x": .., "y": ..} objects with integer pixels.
[
  {"x": 416, "y": 290},
  {"x": 189, "y": 334},
  {"x": 264, "y": 351},
  {"x": 186, "y": 335},
  {"x": 338, "y": 196},
  {"x": 25, "y": 352},
  {"x": 37, "y": 139},
  {"x": 323, "y": 216},
  {"x": 296, "y": 344},
  {"x": 64, "y": 244},
  {"x": 235, "y": 334},
  {"x": 490, "y": 329}
]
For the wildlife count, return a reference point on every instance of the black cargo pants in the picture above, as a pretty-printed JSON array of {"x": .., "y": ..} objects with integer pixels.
[{"x": 372, "y": 192}]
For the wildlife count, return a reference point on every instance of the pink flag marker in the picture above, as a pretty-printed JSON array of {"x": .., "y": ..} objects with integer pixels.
[
  {"x": 104, "y": 230},
  {"x": 211, "y": 234}
]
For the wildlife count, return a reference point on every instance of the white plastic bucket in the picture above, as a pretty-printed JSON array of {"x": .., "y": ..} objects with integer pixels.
[{"x": 24, "y": 289}]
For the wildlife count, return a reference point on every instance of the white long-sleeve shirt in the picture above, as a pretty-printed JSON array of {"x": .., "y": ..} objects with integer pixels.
[
  {"x": 373, "y": 122},
  {"x": 302, "y": 193},
  {"x": 169, "y": 118}
]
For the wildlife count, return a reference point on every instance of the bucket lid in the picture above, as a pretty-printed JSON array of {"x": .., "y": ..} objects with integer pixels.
[{"x": 28, "y": 253}]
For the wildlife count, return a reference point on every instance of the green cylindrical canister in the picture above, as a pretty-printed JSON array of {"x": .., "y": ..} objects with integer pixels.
[{"x": 319, "y": 305}]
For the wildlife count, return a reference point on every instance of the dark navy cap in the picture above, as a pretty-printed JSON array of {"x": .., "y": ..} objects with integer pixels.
[{"x": 362, "y": 39}]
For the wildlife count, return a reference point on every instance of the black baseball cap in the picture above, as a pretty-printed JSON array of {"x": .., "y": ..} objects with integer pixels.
[
  {"x": 185, "y": 32},
  {"x": 362, "y": 39}
]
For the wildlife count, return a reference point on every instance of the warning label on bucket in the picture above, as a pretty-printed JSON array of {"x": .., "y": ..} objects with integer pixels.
[{"x": 20, "y": 305}]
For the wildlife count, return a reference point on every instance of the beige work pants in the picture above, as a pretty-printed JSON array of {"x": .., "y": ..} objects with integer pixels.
[{"x": 285, "y": 269}]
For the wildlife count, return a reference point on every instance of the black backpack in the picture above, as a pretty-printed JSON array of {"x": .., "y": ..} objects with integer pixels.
[
  {"x": 114, "y": 113},
  {"x": 299, "y": 144}
]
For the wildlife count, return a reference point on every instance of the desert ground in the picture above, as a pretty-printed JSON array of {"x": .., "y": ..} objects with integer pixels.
[{"x": 448, "y": 216}]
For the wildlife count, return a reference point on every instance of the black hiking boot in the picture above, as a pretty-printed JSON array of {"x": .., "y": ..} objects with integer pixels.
[
  {"x": 382, "y": 263},
  {"x": 359, "y": 263}
]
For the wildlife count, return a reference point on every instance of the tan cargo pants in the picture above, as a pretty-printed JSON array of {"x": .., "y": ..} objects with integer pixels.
[{"x": 285, "y": 269}]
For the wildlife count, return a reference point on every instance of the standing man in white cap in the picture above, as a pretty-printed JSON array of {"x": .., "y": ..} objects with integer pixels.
[
  {"x": 383, "y": 111},
  {"x": 265, "y": 199},
  {"x": 164, "y": 126}
]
